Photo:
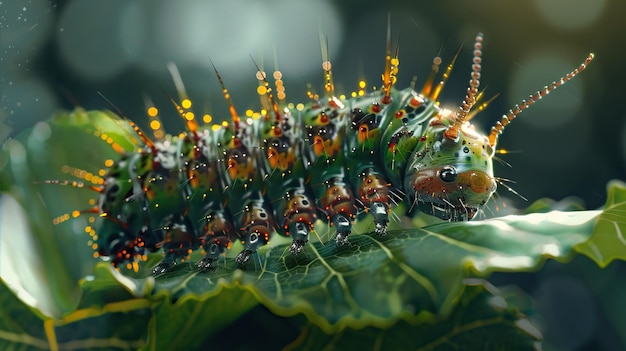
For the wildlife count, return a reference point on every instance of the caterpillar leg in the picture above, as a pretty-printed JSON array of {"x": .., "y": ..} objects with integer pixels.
[
  {"x": 338, "y": 203},
  {"x": 178, "y": 243},
  {"x": 214, "y": 249},
  {"x": 343, "y": 225},
  {"x": 165, "y": 265},
  {"x": 218, "y": 231},
  {"x": 380, "y": 212},
  {"x": 172, "y": 254},
  {"x": 299, "y": 217},
  {"x": 258, "y": 225},
  {"x": 250, "y": 246},
  {"x": 300, "y": 234},
  {"x": 374, "y": 195}
]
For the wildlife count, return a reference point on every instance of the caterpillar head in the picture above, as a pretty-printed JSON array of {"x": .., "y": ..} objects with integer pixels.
[
  {"x": 450, "y": 171},
  {"x": 451, "y": 176}
]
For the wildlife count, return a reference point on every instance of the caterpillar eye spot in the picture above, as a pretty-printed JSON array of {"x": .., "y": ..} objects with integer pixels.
[{"x": 448, "y": 174}]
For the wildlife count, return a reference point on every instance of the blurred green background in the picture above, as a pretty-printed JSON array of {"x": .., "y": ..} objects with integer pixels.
[{"x": 60, "y": 54}]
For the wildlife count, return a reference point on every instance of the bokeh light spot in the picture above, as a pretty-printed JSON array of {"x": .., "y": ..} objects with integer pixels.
[
  {"x": 86, "y": 43},
  {"x": 24, "y": 30},
  {"x": 571, "y": 14},
  {"x": 26, "y": 100},
  {"x": 537, "y": 71},
  {"x": 189, "y": 33}
]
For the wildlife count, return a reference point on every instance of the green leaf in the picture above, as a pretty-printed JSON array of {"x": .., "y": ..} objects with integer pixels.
[
  {"x": 547, "y": 205},
  {"x": 413, "y": 275},
  {"x": 20, "y": 327},
  {"x": 483, "y": 320},
  {"x": 110, "y": 317},
  {"x": 69, "y": 145},
  {"x": 186, "y": 322},
  {"x": 608, "y": 240}
]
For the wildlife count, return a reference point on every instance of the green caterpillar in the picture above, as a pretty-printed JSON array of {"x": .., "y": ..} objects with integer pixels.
[{"x": 282, "y": 169}]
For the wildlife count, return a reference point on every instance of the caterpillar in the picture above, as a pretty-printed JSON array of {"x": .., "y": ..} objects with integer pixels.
[{"x": 333, "y": 159}]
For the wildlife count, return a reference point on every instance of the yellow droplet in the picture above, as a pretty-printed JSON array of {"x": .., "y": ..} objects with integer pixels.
[
  {"x": 261, "y": 90},
  {"x": 108, "y": 163},
  {"x": 207, "y": 118},
  {"x": 153, "y": 111},
  {"x": 186, "y": 103},
  {"x": 189, "y": 116},
  {"x": 362, "y": 84},
  {"x": 300, "y": 107},
  {"x": 75, "y": 213},
  {"x": 155, "y": 124}
]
